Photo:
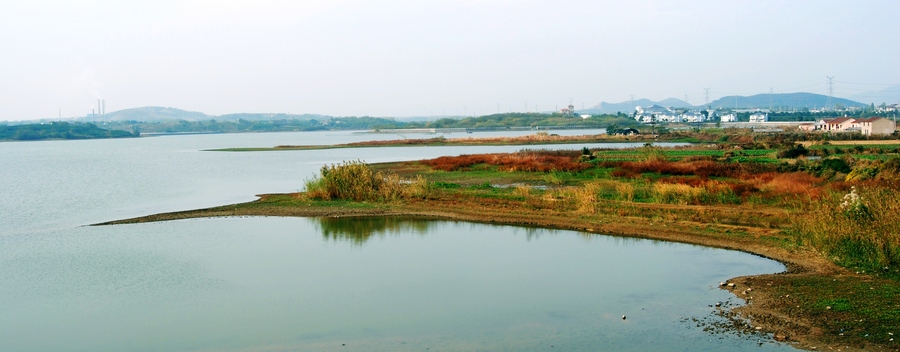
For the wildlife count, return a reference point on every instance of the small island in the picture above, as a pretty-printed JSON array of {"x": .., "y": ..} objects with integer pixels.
[
  {"x": 59, "y": 130},
  {"x": 825, "y": 208}
]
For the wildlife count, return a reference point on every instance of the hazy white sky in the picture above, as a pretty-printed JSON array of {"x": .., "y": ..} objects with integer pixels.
[{"x": 422, "y": 57}]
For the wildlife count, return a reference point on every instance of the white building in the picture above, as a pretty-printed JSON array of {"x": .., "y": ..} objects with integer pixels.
[
  {"x": 729, "y": 117},
  {"x": 656, "y": 113},
  {"x": 759, "y": 117},
  {"x": 692, "y": 116}
]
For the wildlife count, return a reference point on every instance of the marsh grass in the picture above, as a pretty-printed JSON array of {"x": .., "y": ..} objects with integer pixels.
[
  {"x": 863, "y": 234},
  {"x": 677, "y": 193},
  {"x": 356, "y": 181}
]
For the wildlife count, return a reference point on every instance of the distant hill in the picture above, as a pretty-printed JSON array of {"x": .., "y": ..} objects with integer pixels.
[
  {"x": 269, "y": 117},
  {"x": 890, "y": 95},
  {"x": 152, "y": 113},
  {"x": 157, "y": 113},
  {"x": 762, "y": 101},
  {"x": 781, "y": 100},
  {"x": 627, "y": 107}
]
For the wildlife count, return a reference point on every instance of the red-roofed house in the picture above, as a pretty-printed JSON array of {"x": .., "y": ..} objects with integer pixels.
[
  {"x": 839, "y": 124},
  {"x": 867, "y": 126}
]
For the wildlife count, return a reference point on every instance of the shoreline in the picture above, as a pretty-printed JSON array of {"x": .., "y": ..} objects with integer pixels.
[{"x": 762, "y": 306}]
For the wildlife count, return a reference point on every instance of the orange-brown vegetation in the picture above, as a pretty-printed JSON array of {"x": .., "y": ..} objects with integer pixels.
[{"x": 528, "y": 161}]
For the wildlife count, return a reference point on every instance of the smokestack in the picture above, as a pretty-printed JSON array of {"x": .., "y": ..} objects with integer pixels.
[
  {"x": 104, "y": 108},
  {"x": 99, "y": 111}
]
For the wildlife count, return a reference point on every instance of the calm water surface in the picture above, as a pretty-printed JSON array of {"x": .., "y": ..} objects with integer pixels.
[{"x": 274, "y": 284}]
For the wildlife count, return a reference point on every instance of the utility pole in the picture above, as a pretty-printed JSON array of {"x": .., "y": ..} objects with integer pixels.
[{"x": 830, "y": 92}]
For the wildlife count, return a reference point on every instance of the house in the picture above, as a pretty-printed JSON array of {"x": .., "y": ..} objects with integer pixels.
[
  {"x": 729, "y": 117},
  {"x": 876, "y": 125},
  {"x": 759, "y": 117},
  {"x": 866, "y": 126},
  {"x": 807, "y": 127},
  {"x": 692, "y": 116},
  {"x": 840, "y": 124},
  {"x": 569, "y": 111},
  {"x": 655, "y": 113}
]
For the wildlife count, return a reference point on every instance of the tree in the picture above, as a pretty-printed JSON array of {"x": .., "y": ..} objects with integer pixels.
[{"x": 612, "y": 128}]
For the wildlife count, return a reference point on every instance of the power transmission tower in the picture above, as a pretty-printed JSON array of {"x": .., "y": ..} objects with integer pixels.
[
  {"x": 707, "y": 97},
  {"x": 830, "y": 92}
]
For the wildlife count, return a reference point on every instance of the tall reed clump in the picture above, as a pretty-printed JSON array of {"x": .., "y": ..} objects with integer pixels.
[
  {"x": 625, "y": 191},
  {"x": 856, "y": 229},
  {"x": 355, "y": 180},
  {"x": 586, "y": 196},
  {"x": 678, "y": 193}
]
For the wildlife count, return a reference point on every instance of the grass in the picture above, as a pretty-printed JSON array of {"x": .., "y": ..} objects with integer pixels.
[{"x": 852, "y": 310}]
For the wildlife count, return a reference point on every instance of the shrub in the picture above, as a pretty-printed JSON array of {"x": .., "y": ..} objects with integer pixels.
[
  {"x": 797, "y": 150},
  {"x": 355, "y": 180}
]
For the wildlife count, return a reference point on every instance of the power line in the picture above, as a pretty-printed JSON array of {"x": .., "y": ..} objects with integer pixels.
[{"x": 868, "y": 84}]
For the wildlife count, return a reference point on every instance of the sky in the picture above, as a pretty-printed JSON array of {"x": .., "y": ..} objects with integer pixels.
[{"x": 396, "y": 58}]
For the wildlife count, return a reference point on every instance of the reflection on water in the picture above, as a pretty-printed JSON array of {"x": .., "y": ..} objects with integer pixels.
[
  {"x": 358, "y": 230},
  {"x": 311, "y": 285}
]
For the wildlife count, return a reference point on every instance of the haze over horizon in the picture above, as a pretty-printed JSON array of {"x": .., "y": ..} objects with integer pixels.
[{"x": 421, "y": 58}]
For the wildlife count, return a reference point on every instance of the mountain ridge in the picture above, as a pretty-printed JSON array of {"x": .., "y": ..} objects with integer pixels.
[
  {"x": 799, "y": 100},
  {"x": 159, "y": 113}
]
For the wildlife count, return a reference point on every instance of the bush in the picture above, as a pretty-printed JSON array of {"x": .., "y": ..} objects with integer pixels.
[
  {"x": 794, "y": 152},
  {"x": 355, "y": 180}
]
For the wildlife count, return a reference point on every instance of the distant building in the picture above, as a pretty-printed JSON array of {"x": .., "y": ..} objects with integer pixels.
[
  {"x": 692, "y": 116},
  {"x": 729, "y": 117},
  {"x": 759, "y": 117},
  {"x": 866, "y": 126},
  {"x": 807, "y": 127},
  {"x": 569, "y": 111},
  {"x": 876, "y": 125},
  {"x": 655, "y": 113},
  {"x": 840, "y": 124}
]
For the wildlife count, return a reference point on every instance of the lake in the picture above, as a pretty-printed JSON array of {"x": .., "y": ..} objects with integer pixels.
[{"x": 286, "y": 284}]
